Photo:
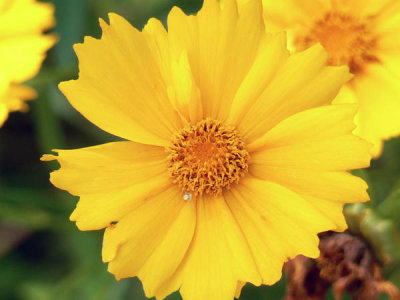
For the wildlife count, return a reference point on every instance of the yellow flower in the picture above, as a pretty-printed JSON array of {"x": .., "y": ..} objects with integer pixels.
[
  {"x": 22, "y": 49},
  {"x": 363, "y": 34},
  {"x": 234, "y": 158}
]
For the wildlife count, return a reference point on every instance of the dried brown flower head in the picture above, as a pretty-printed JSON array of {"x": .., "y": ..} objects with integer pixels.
[{"x": 346, "y": 263}]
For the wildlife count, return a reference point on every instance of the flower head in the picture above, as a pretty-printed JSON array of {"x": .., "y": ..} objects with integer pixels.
[
  {"x": 22, "y": 50},
  {"x": 362, "y": 35},
  {"x": 234, "y": 160}
]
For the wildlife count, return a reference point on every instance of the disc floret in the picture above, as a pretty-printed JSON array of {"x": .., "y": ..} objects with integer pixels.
[
  {"x": 207, "y": 157},
  {"x": 349, "y": 40}
]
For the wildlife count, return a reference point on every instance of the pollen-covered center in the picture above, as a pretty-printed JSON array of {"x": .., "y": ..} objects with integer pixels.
[
  {"x": 348, "y": 40},
  {"x": 207, "y": 157}
]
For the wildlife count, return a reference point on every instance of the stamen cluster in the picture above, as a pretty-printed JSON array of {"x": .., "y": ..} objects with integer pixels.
[
  {"x": 348, "y": 40},
  {"x": 207, "y": 157}
]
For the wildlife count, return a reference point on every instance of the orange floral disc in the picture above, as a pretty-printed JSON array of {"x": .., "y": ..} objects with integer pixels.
[
  {"x": 348, "y": 40},
  {"x": 207, "y": 157}
]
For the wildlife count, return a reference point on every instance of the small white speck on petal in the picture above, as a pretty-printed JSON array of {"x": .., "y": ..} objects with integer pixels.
[{"x": 187, "y": 196}]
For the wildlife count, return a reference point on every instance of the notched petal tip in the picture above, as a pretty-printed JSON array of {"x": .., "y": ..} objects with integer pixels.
[
  {"x": 65, "y": 85},
  {"x": 317, "y": 50},
  {"x": 369, "y": 152},
  {"x": 345, "y": 71},
  {"x": 114, "y": 17},
  {"x": 74, "y": 216},
  {"x": 239, "y": 287},
  {"x": 103, "y": 23},
  {"x": 50, "y": 157},
  {"x": 176, "y": 12},
  {"x": 109, "y": 251},
  {"x": 154, "y": 26}
]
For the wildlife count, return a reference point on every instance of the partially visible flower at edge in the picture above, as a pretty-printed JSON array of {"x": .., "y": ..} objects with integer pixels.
[
  {"x": 363, "y": 34},
  {"x": 235, "y": 158},
  {"x": 22, "y": 49}
]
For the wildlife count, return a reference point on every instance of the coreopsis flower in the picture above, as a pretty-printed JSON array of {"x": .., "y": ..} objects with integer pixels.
[
  {"x": 22, "y": 50},
  {"x": 233, "y": 158},
  {"x": 361, "y": 34}
]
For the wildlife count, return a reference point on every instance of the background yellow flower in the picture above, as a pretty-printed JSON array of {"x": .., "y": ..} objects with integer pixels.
[
  {"x": 22, "y": 49},
  {"x": 234, "y": 158},
  {"x": 361, "y": 34}
]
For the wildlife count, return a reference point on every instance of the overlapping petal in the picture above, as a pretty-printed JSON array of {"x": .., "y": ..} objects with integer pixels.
[
  {"x": 151, "y": 241},
  {"x": 125, "y": 94},
  {"x": 317, "y": 176},
  {"x": 218, "y": 257},
  {"x": 222, "y": 44},
  {"x": 114, "y": 178},
  {"x": 266, "y": 212},
  {"x": 302, "y": 83}
]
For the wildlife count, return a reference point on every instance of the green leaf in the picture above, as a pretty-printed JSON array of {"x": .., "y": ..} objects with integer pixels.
[
  {"x": 380, "y": 233},
  {"x": 48, "y": 126},
  {"x": 390, "y": 207},
  {"x": 382, "y": 236}
]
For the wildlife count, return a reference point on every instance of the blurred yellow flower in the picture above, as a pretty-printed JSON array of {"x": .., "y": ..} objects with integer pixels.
[
  {"x": 234, "y": 158},
  {"x": 22, "y": 49},
  {"x": 363, "y": 34}
]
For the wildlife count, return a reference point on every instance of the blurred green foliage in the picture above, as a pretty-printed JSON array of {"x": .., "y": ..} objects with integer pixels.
[{"x": 43, "y": 255}]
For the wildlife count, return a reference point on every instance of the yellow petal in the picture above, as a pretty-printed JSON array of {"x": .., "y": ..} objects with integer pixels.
[
  {"x": 361, "y": 7},
  {"x": 277, "y": 223},
  {"x": 281, "y": 15},
  {"x": 313, "y": 124},
  {"x": 21, "y": 92},
  {"x": 379, "y": 94},
  {"x": 111, "y": 206},
  {"x": 113, "y": 178},
  {"x": 107, "y": 167},
  {"x": 183, "y": 91},
  {"x": 176, "y": 71},
  {"x": 387, "y": 22},
  {"x": 3, "y": 113},
  {"x": 272, "y": 54},
  {"x": 151, "y": 241},
  {"x": 219, "y": 255},
  {"x": 346, "y": 95},
  {"x": 157, "y": 39},
  {"x": 21, "y": 57},
  {"x": 22, "y": 17},
  {"x": 331, "y": 210},
  {"x": 333, "y": 154},
  {"x": 221, "y": 40},
  {"x": 334, "y": 186},
  {"x": 120, "y": 86},
  {"x": 327, "y": 191},
  {"x": 302, "y": 83},
  {"x": 242, "y": 42},
  {"x": 16, "y": 95},
  {"x": 4, "y": 86},
  {"x": 239, "y": 287}
]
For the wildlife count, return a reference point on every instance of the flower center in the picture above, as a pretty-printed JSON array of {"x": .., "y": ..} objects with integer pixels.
[
  {"x": 347, "y": 39},
  {"x": 207, "y": 157}
]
